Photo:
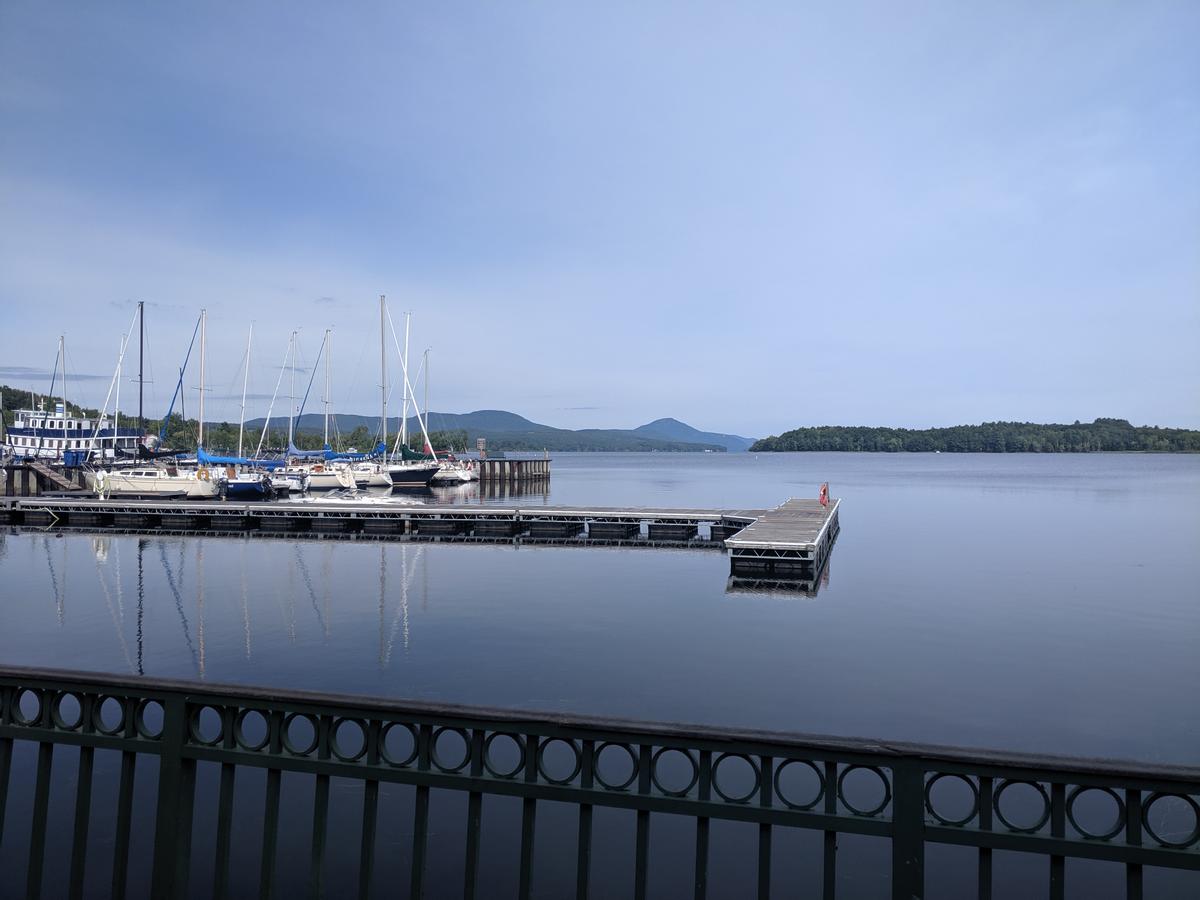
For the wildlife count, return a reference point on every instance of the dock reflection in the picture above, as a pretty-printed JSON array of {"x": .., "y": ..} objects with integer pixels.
[{"x": 803, "y": 586}]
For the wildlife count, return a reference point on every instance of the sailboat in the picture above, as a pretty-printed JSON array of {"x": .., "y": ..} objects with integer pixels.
[
  {"x": 450, "y": 471},
  {"x": 323, "y": 473},
  {"x": 246, "y": 483},
  {"x": 166, "y": 479},
  {"x": 413, "y": 470}
]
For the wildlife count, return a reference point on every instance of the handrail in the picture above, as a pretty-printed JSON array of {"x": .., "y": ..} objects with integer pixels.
[{"x": 320, "y": 735}]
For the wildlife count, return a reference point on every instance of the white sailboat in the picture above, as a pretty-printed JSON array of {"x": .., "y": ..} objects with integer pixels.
[
  {"x": 322, "y": 475},
  {"x": 404, "y": 473},
  {"x": 166, "y": 478}
]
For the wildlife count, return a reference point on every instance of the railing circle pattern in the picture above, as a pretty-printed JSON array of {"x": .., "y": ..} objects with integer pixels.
[
  {"x": 788, "y": 801},
  {"x": 674, "y": 792},
  {"x": 436, "y": 750},
  {"x": 488, "y": 763},
  {"x": 858, "y": 811},
  {"x": 241, "y": 720},
  {"x": 1042, "y": 819},
  {"x": 1118, "y": 820},
  {"x": 577, "y": 761},
  {"x": 288, "y": 739},
  {"x": 733, "y": 797},
  {"x": 945, "y": 820},
  {"x": 103, "y": 704},
  {"x": 1188, "y": 841},
  {"x": 144, "y": 728},
  {"x": 336, "y": 739},
  {"x": 59, "y": 718},
  {"x": 386, "y": 755},
  {"x": 633, "y": 766}
]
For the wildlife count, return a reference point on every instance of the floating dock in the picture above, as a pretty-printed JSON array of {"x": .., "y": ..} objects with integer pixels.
[{"x": 792, "y": 541}]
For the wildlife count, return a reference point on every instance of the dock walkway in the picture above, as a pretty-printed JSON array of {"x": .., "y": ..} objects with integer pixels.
[{"x": 792, "y": 540}]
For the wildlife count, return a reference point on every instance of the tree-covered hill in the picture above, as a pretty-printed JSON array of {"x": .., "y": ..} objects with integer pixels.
[{"x": 990, "y": 437}]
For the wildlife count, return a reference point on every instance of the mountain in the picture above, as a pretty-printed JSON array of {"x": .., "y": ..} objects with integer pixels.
[
  {"x": 674, "y": 430},
  {"x": 509, "y": 431}
]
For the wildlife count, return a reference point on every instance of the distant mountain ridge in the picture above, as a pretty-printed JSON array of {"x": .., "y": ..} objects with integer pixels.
[
  {"x": 673, "y": 429},
  {"x": 508, "y": 431}
]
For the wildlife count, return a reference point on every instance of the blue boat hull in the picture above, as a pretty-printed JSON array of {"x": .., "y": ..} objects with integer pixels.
[{"x": 240, "y": 490}]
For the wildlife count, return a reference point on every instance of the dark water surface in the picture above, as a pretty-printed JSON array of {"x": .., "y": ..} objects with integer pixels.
[{"x": 1041, "y": 602}]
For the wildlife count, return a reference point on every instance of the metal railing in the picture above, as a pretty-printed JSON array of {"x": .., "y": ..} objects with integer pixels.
[{"x": 706, "y": 774}]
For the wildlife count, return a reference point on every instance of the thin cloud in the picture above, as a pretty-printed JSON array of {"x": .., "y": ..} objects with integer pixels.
[{"x": 29, "y": 373}]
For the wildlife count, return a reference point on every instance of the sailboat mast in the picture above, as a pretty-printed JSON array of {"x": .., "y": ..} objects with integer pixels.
[
  {"x": 117, "y": 405},
  {"x": 327, "y": 354},
  {"x": 203, "y": 340},
  {"x": 62, "y": 348},
  {"x": 292, "y": 397},
  {"x": 404, "y": 364},
  {"x": 141, "y": 361},
  {"x": 382, "y": 373},
  {"x": 245, "y": 382},
  {"x": 425, "y": 402}
]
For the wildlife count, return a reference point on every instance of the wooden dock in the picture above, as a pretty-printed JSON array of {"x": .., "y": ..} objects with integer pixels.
[{"x": 791, "y": 541}]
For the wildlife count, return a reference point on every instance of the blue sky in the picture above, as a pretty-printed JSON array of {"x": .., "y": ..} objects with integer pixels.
[{"x": 747, "y": 216}]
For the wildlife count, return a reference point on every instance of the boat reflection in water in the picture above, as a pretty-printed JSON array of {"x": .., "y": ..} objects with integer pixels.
[{"x": 159, "y": 597}]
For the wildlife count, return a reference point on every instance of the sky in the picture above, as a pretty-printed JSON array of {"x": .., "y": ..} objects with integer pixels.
[{"x": 750, "y": 217}]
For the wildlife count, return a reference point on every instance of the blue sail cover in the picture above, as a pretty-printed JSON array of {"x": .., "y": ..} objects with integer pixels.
[
  {"x": 379, "y": 450},
  {"x": 209, "y": 460},
  {"x": 293, "y": 450}
]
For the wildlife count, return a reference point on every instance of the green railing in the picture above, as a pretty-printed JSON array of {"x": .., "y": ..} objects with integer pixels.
[{"x": 769, "y": 779}]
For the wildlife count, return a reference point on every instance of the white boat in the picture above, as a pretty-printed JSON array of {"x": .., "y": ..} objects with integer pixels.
[
  {"x": 283, "y": 484},
  {"x": 371, "y": 474},
  {"x": 157, "y": 481},
  {"x": 317, "y": 476},
  {"x": 454, "y": 472}
]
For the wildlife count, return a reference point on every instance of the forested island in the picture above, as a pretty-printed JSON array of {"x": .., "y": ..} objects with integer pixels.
[{"x": 990, "y": 437}]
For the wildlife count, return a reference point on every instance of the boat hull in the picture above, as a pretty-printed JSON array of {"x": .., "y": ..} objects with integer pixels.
[
  {"x": 247, "y": 490},
  {"x": 418, "y": 476}
]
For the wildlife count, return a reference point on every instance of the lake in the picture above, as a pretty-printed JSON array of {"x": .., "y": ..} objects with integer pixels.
[
  {"x": 1013, "y": 601},
  {"x": 1029, "y": 602}
]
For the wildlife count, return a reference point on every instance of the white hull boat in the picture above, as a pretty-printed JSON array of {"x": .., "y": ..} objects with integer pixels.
[
  {"x": 371, "y": 475},
  {"x": 196, "y": 484}
]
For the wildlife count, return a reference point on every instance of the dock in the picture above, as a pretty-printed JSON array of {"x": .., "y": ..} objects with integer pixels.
[{"x": 791, "y": 541}]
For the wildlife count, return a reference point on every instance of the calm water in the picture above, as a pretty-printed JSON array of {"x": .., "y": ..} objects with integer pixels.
[{"x": 1045, "y": 603}]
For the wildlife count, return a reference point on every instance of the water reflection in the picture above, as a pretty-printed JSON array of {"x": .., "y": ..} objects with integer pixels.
[
  {"x": 178, "y": 571},
  {"x": 802, "y": 586}
]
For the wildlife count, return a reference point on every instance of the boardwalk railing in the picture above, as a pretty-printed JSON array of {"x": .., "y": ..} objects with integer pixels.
[{"x": 835, "y": 787}]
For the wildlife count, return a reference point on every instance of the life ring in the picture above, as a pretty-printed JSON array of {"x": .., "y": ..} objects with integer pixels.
[
  {"x": 203, "y": 475},
  {"x": 318, "y": 468}
]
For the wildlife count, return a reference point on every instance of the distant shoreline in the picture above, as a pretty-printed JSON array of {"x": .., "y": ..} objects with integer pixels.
[{"x": 1101, "y": 435}]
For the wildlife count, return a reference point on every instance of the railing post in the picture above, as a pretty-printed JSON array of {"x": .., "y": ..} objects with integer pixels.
[
  {"x": 908, "y": 831},
  {"x": 172, "y": 835}
]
